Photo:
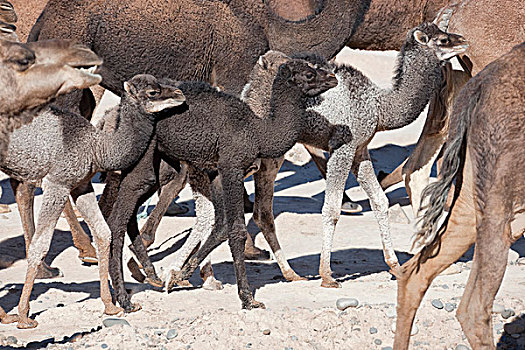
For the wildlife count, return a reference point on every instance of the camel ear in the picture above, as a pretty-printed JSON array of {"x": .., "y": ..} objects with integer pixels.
[
  {"x": 285, "y": 71},
  {"x": 263, "y": 62},
  {"x": 443, "y": 17},
  {"x": 421, "y": 37},
  {"x": 130, "y": 89}
]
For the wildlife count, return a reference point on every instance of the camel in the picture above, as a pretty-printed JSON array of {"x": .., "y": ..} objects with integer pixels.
[
  {"x": 219, "y": 150},
  {"x": 37, "y": 73},
  {"x": 484, "y": 152}
]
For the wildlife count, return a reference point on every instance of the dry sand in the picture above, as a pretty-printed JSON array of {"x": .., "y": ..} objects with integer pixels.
[{"x": 299, "y": 315}]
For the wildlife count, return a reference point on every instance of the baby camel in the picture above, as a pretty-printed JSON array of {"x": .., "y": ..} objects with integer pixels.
[
  {"x": 484, "y": 153},
  {"x": 31, "y": 76},
  {"x": 63, "y": 150},
  {"x": 220, "y": 137}
]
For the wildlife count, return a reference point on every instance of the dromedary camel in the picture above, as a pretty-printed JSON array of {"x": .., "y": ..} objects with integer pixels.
[
  {"x": 35, "y": 74},
  {"x": 63, "y": 150},
  {"x": 484, "y": 153}
]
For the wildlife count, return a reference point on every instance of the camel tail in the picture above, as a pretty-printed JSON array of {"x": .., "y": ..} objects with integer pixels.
[{"x": 453, "y": 159}]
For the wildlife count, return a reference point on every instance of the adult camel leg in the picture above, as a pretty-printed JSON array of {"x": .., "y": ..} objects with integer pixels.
[
  {"x": 81, "y": 241},
  {"x": 493, "y": 241},
  {"x": 263, "y": 212},
  {"x": 86, "y": 202},
  {"x": 364, "y": 171},
  {"x": 320, "y": 161},
  {"x": 5, "y": 318},
  {"x": 55, "y": 197},
  {"x": 338, "y": 168},
  {"x": 417, "y": 274},
  {"x": 396, "y": 176},
  {"x": 24, "y": 196}
]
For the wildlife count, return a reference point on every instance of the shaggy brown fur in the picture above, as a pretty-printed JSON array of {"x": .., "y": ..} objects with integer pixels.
[{"x": 484, "y": 153}]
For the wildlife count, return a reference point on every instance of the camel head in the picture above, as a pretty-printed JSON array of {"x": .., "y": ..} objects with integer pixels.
[
  {"x": 37, "y": 72},
  {"x": 8, "y": 31},
  {"x": 151, "y": 95},
  {"x": 312, "y": 80},
  {"x": 7, "y": 12},
  {"x": 445, "y": 45}
]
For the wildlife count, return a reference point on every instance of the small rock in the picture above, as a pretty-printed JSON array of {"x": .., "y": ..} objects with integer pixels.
[
  {"x": 293, "y": 337},
  {"x": 514, "y": 328},
  {"x": 397, "y": 214},
  {"x": 345, "y": 303},
  {"x": 4, "y": 217},
  {"x": 507, "y": 313},
  {"x": 249, "y": 345},
  {"x": 451, "y": 270},
  {"x": 438, "y": 304},
  {"x": 449, "y": 307},
  {"x": 104, "y": 346},
  {"x": 498, "y": 326},
  {"x": 462, "y": 347},
  {"x": 387, "y": 348},
  {"x": 286, "y": 348},
  {"x": 445, "y": 286},
  {"x": 11, "y": 340},
  {"x": 267, "y": 331},
  {"x": 498, "y": 308},
  {"x": 172, "y": 333},
  {"x": 110, "y": 322},
  {"x": 373, "y": 330},
  {"x": 515, "y": 335},
  {"x": 60, "y": 305},
  {"x": 390, "y": 313},
  {"x": 378, "y": 341}
]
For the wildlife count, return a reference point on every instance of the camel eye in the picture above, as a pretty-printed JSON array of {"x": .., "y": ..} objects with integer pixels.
[
  {"x": 153, "y": 93},
  {"x": 310, "y": 75}
]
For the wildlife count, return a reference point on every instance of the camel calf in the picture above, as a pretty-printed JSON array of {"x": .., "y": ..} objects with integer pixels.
[{"x": 484, "y": 153}]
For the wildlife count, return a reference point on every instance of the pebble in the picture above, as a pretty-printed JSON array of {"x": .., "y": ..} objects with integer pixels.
[
  {"x": 267, "y": 331},
  {"x": 390, "y": 313},
  {"x": 498, "y": 326},
  {"x": 445, "y": 286},
  {"x": 515, "y": 336},
  {"x": 378, "y": 341},
  {"x": 249, "y": 345},
  {"x": 498, "y": 308},
  {"x": 387, "y": 348},
  {"x": 507, "y": 313},
  {"x": 449, "y": 307},
  {"x": 373, "y": 330},
  {"x": 345, "y": 303},
  {"x": 104, "y": 346},
  {"x": 11, "y": 340},
  {"x": 172, "y": 333},
  {"x": 514, "y": 328},
  {"x": 438, "y": 304},
  {"x": 293, "y": 337},
  {"x": 462, "y": 347},
  {"x": 110, "y": 322}
]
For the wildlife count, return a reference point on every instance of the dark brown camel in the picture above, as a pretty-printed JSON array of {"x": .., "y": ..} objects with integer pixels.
[
  {"x": 35, "y": 74},
  {"x": 484, "y": 153}
]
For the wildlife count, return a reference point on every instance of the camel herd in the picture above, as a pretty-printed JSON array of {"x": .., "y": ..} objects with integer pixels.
[{"x": 212, "y": 92}]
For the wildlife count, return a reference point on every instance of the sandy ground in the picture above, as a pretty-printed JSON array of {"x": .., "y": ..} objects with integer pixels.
[{"x": 299, "y": 315}]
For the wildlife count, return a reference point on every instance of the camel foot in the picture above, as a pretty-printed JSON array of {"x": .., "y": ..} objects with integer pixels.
[
  {"x": 135, "y": 271},
  {"x": 172, "y": 278},
  {"x": 112, "y": 309},
  {"x": 155, "y": 282},
  {"x": 26, "y": 323},
  {"x": 330, "y": 283},
  {"x": 9, "y": 319},
  {"x": 292, "y": 276},
  {"x": 254, "y": 253},
  {"x": 212, "y": 284},
  {"x": 253, "y": 304},
  {"x": 351, "y": 208},
  {"x": 46, "y": 272},
  {"x": 88, "y": 257},
  {"x": 130, "y": 307}
]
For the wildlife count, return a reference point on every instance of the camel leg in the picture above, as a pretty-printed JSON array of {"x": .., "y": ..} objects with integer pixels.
[
  {"x": 86, "y": 251},
  {"x": 417, "y": 274},
  {"x": 379, "y": 203},
  {"x": 338, "y": 168},
  {"x": 86, "y": 202},
  {"x": 263, "y": 213},
  {"x": 490, "y": 261},
  {"x": 396, "y": 176},
  {"x": 110, "y": 193},
  {"x": 5, "y": 318},
  {"x": 54, "y": 200},
  {"x": 321, "y": 163},
  {"x": 24, "y": 196}
]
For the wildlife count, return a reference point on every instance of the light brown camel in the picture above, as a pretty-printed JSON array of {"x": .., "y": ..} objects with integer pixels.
[
  {"x": 32, "y": 75},
  {"x": 484, "y": 153}
]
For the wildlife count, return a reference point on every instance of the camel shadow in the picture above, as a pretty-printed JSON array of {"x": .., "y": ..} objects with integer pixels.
[{"x": 506, "y": 341}]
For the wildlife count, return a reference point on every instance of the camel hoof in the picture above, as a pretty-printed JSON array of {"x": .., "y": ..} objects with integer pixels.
[
  {"x": 330, "y": 284},
  {"x": 212, "y": 284},
  {"x": 351, "y": 208},
  {"x": 9, "y": 319},
  {"x": 173, "y": 278},
  {"x": 88, "y": 259},
  {"x": 132, "y": 307},
  {"x": 256, "y": 254},
  {"x": 26, "y": 323},
  {"x": 135, "y": 271},
  {"x": 292, "y": 277},
  {"x": 113, "y": 309},
  {"x": 155, "y": 282},
  {"x": 253, "y": 304},
  {"x": 46, "y": 272}
]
